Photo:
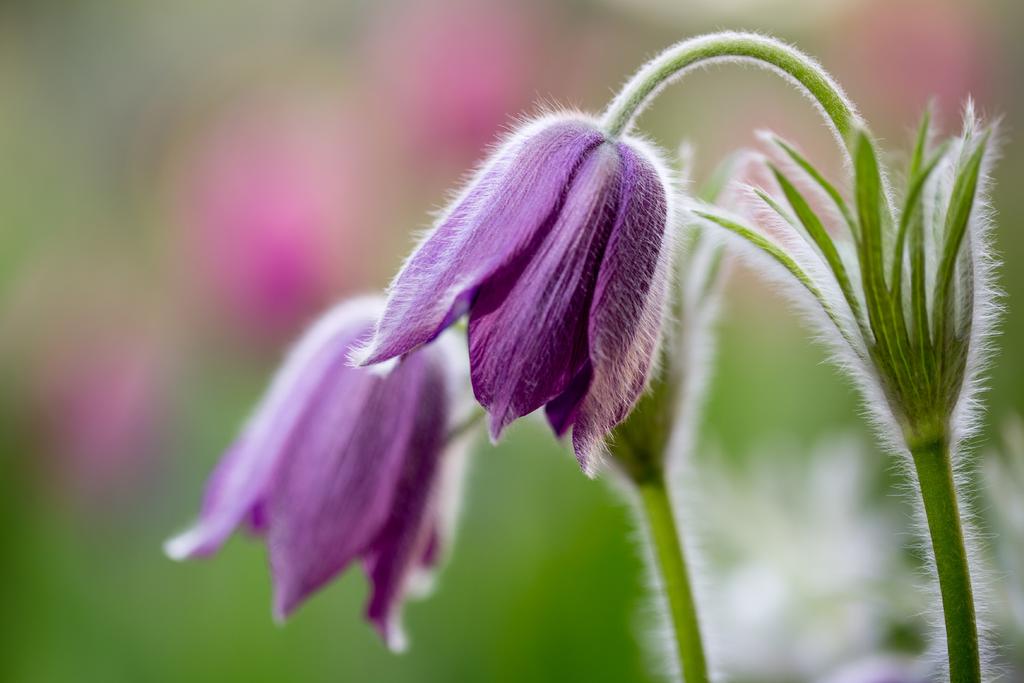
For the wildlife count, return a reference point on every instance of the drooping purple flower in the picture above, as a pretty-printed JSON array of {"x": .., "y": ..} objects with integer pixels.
[
  {"x": 339, "y": 464},
  {"x": 558, "y": 250}
]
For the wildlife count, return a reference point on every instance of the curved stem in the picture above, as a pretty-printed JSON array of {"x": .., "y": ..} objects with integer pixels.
[
  {"x": 467, "y": 424},
  {"x": 935, "y": 475},
  {"x": 671, "y": 564},
  {"x": 768, "y": 52}
]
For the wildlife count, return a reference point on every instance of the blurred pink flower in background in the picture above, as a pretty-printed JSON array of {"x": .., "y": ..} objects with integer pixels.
[
  {"x": 100, "y": 406},
  {"x": 275, "y": 203},
  {"x": 92, "y": 349},
  {"x": 897, "y": 56},
  {"x": 454, "y": 71}
]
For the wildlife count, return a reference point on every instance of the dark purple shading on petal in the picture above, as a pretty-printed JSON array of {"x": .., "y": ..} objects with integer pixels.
[
  {"x": 337, "y": 489},
  {"x": 410, "y": 531},
  {"x": 489, "y": 225},
  {"x": 561, "y": 410},
  {"x": 528, "y": 325},
  {"x": 431, "y": 555},
  {"x": 628, "y": 305}
]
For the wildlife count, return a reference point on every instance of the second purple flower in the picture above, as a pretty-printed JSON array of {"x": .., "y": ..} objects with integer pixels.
[{"x": 558, "y": 251}]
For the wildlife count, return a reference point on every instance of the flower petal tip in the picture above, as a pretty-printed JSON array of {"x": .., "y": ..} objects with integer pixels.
[
  {"x": 381, "y": 368},
  {"x": 367, "y": 356},
  {"x": 590, "y": 468},
  {"x": 495, "y": 426},
  {"x": 285, "y": 603},
  {"x": 391, "y": 633},
  {"x": 589, "y": 454},
  {"x": 188, "y": 545}
]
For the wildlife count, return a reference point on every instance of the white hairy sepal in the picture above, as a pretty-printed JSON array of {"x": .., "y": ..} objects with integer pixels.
[{"x": 984, "y": 295}]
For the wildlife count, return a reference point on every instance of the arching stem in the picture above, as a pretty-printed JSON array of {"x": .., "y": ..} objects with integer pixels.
[{"x": 676, "y": 60}]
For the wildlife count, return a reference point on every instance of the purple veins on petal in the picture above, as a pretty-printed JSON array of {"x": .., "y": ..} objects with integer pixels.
[
  {"x": 489, "y": 225},
  {"x": 339, "y": 464},
  {"x": 628, "y": 305},
  {"x": 398, "y": 549},
  {"x": 558, "y": 252},
  {"x": 527, "y": 328},
  {"x": 344, "y": 480},
  {"x": 241, "y": 479},
  {"x": 562, "y": 410}
]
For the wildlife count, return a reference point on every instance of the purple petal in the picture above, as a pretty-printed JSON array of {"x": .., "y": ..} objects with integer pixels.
[
  {"x": 405, "y": 539},
  {"x": 561, "y": 410},
  {"x": 240, "y": 482},
  {"x": 338, "y": 487},
  {"x": 431, "y": 555},
  {"x": 528, "y": 325},
  {"x": 489, "y": 226},
  {"x": 628, "y": 305}
]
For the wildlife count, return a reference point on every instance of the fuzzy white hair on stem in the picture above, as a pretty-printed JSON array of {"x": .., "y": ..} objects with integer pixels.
[{"x": 910, "y": 318}]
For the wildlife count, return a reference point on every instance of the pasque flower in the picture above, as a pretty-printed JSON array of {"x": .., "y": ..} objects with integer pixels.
[
  {"x": 339, "y": 464},
  {"x": 558, "y": 251}
]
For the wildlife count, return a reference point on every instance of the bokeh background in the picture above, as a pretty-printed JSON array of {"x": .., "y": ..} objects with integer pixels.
[{"x": 184, "y": 185}]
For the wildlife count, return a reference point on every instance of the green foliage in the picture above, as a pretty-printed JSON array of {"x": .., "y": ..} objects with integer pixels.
[{"x": 918, "y": 348}]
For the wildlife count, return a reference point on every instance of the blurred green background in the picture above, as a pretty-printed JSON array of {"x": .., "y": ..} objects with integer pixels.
[{"x": 184, "y": 185}]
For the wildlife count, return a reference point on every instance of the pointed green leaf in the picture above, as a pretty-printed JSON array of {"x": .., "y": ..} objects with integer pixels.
[
  {"x": 871, "y": 208},
  {"x": 816, "y": 230},
  {"x": 920, "y": 145},
  {"x": 913, "y": 200},
  {"x": 958, "y": 215},
  {"x": 921, "y": 338},
  {"x": 776, "y": 207},
  {"x": 779, "y": 255},
  {"x": 825, "y": 185},
  {"x": 912, "y": 219}
]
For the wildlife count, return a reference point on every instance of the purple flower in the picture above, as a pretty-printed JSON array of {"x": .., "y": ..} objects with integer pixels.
[
  {"x": 558, "y": 251},
  {"x": 339, "y": 463}
]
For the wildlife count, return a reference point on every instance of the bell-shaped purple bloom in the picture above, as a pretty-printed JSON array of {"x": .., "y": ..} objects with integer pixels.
[
  {"x": 338, "y": 464},
  {"x": 558, "y": 250}
]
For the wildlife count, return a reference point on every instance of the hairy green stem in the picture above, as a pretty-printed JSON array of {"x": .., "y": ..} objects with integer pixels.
[
  {"x": 671, "y": 565},
  {"x": 935, "y": 475},
  {"x": 731, "y": 46}
]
